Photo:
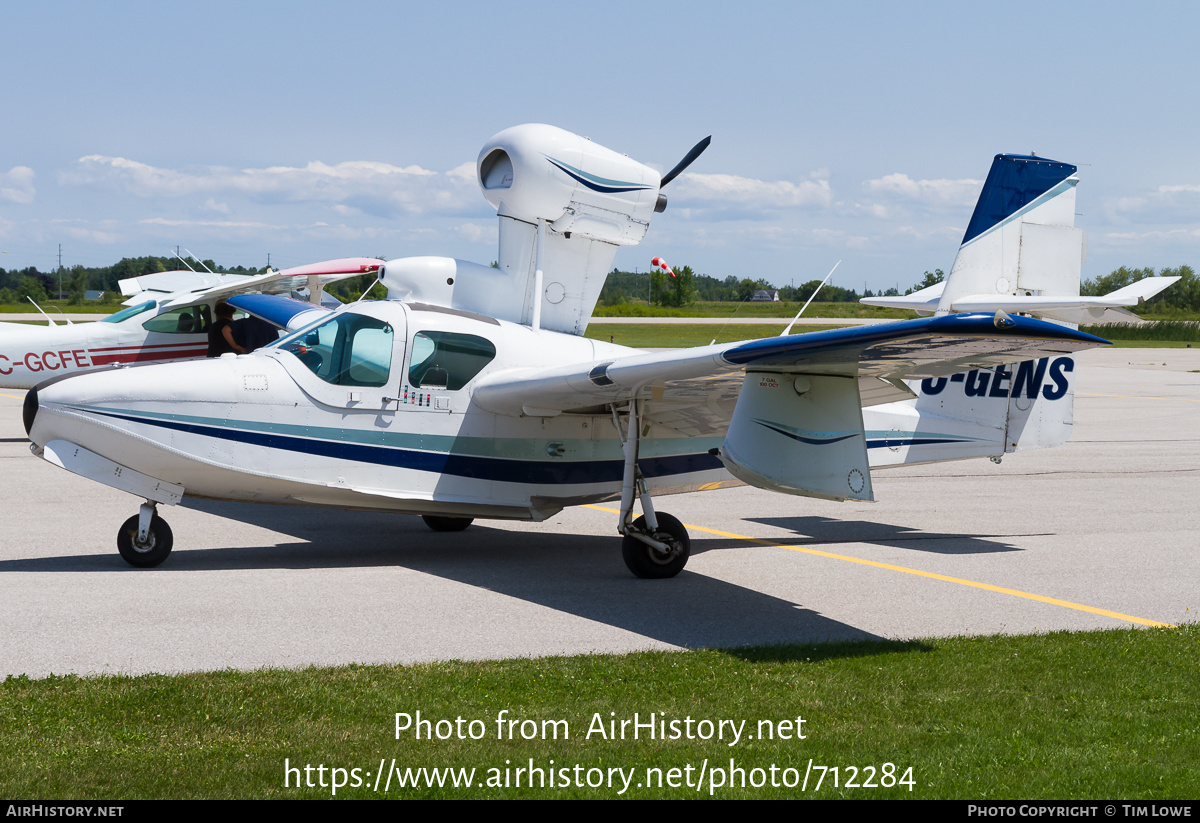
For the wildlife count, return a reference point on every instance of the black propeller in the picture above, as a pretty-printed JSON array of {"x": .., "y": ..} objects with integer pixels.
[{"x": 697, "y": 150}]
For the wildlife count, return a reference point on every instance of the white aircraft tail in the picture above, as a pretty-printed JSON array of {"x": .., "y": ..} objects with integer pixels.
[
  {"x": 1022, "y": 254},
  {"x": 1022, "y": 239}
]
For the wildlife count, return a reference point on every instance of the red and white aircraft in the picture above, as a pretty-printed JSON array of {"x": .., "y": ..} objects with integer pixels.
[{"x": 167, "y": 318}]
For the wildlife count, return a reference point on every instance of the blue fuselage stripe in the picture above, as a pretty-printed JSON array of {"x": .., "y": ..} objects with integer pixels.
[{"x": 459, "y": 465}]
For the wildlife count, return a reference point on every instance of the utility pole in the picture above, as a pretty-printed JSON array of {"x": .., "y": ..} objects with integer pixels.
[{"x": 60, "y": 271}]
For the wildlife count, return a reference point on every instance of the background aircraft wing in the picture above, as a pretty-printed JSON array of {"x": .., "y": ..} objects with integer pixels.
[
  {"x": 170, "y": 282},
  {"x": 313, "y": 276},
  {"x": 695, "y": 390},
  {"x": 284, "y": 312}
]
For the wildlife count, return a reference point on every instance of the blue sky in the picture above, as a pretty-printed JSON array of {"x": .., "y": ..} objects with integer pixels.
[{"x": 852, "y": 131}]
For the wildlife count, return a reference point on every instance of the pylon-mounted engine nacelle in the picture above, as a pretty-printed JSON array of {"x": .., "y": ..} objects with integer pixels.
[
  {"x": 564, "y": 206},
  {"x": 538, "y": 172}
]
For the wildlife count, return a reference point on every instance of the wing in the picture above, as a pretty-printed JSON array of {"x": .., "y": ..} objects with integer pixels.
[
  {"x": 694, "y": 390},
  {"x": 170, "y": 282},
  {"x": 284, "y": 312},
  {"x": 789, "y": 408},
  {"x": 313, "y": 276}
]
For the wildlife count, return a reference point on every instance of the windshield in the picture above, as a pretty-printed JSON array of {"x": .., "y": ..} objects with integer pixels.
[
  {"x": 346, "y": 350},
  {"x": 299, "y": 334},
  {"x": 132, "y": 311}
]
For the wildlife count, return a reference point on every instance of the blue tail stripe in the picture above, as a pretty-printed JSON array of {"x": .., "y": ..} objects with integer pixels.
[{"x": 1013, "y": 182}]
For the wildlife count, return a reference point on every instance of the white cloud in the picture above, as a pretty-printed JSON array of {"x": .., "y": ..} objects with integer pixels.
[
  {"x": 463, "y": 173},
  {"x": 1160, "y": 234},
  {"x": 732, "y": 190},
  {"x": 92, "y": 235},
  {"x": 221, "y": 224},
  {"x": 479, "y": 234},
  {"x": 368, "y": 186},
  {"x": 770, "y": 236},
  {"x": 1173, "y": 204},
  {"x": 939, "y": 193},
  {"x": 17, "y": 185}
]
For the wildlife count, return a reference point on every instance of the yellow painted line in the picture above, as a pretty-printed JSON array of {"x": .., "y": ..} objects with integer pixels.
[
  {"x": 1137, "y": 397},
  {"x": 14, "y": 396},
  {"x": 1127, "y": 618}
]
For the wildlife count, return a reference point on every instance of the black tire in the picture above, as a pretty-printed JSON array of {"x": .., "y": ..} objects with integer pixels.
[
  {"x": 158, "y": 543},
  {"x": 447, "y": 524},
  {"x": 646, "y": 561}
]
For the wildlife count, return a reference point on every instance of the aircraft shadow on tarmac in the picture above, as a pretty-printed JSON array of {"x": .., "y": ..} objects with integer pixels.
[
  {"x": 825, "y": 531},
  {"x": 577, "y": 574}
]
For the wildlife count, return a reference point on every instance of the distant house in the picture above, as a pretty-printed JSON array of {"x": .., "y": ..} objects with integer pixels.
[
  {"x": 765, "y": 296},
  {"x": 92, "y": 294}
]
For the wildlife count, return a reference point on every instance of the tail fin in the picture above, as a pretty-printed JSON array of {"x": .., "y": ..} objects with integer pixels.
[{"x": 1022, "y": 240}]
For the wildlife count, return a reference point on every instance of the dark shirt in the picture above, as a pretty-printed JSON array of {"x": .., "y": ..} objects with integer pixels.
[
  {"x": 252, "y": 334},
  {"x": 217, "y": 344}
]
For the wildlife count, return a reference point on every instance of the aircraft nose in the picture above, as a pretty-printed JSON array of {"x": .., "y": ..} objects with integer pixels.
[{"x": 30, "y": 409}]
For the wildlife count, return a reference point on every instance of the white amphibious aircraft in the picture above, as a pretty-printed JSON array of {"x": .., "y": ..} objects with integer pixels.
[
  {"x": 166, "y": 318},
  {"x": 471, "y": 393}
]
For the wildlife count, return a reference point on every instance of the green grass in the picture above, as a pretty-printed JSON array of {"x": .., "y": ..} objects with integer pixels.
[
  {"x": 52, "y": 307},
  {"x": 1165, "y": 331},
  {"x": 1064, "y": 715},
  {"x": 753, "y": 310},
  {"x": 683, "y": 335},
  {"x": 1152, "y": 344}
]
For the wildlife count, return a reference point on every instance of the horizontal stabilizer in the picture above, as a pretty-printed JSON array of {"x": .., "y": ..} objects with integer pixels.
[
  {"x": 1040, "y": 305},
  {"x": 925, "y": 300}
]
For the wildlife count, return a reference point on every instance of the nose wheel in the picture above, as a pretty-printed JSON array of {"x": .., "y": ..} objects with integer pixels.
[{"x": 145, "y": 539}]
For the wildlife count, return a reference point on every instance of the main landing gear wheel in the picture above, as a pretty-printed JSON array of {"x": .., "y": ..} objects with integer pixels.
[
  {"x": 156, "y": 548},
  {"x": 647, "y": 562},
  {"x": 447, "y": 524}
]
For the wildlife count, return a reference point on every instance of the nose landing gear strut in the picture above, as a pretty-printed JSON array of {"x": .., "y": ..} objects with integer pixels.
[{"x": 656, "y": 545}]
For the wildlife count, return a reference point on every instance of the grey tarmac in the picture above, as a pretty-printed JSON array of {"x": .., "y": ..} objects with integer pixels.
[{"x": 1100, "y": 533}]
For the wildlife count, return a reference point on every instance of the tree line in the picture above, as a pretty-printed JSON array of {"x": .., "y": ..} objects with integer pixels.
[
  {"x": 657, "y": 288},
  {"x": 687, "y": 287},
  {"x": 17, "y": 284}
]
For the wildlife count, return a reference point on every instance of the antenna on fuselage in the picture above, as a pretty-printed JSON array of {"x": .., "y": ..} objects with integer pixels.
[
  {"x": 185, "y": 262},
  {"x": 378, "y": 277},
  {"x": 786, "y": 331},
  {"x": 198, "y": 260},
  {"x": 39, "y": 308}
]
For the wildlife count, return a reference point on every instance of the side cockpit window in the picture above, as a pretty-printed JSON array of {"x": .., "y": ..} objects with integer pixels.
[
  {"x": 348, "y": 350},
  {"x": 132, "y": 311},
  {"x": 189, "y": 320},
  {"x": 442, "y": 359}
]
